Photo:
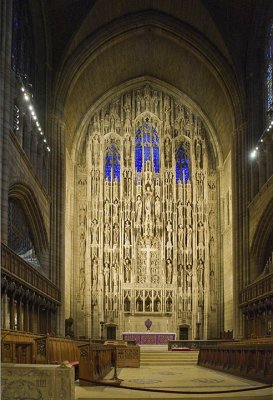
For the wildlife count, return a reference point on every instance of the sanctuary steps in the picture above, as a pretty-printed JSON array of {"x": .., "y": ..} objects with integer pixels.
[{"x": 159, "y": 355}]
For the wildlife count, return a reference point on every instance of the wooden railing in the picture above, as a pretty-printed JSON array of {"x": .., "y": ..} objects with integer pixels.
[
  {"x": 22, "y": 272},
  {"x": 253, "y": 361},
  {"x": 257, "y": 290}
]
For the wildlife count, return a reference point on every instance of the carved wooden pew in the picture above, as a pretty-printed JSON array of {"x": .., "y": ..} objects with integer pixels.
[
  {"x": 52, "y": 350},
  {"x": 126, "y": 356},
  {"x": 25, "y": 348},
  {"x": 250, "y": 360},
  {"x": 18, "y": 347},
  {"x": 95, "y": 362}
]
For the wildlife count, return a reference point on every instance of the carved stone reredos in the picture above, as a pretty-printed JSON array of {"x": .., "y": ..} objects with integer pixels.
[
  {"x": 133, "y": 109},
  {"x": 146, "y": 232}
]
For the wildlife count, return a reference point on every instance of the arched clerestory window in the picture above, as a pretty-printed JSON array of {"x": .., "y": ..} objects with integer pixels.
[
  {"x": 22, "y": 42},
  {"x": 20, "y": 238},
  {"x": 147, "y": 148},
  {"x": 182, "y": 168},
  {"x": 269, "y": 73},
  {"x": 112, "y": 163}
]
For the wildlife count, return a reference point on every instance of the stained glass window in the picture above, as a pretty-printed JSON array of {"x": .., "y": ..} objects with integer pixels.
[
  {"x": 182, "y": 165},
  {"x": 269, "y": 69},
  {"x": 19, "y": 234},
  {"x": 147, "y": 148},
  {"x": 22, "y": 45},
  {"x": 112, "y": 164}
]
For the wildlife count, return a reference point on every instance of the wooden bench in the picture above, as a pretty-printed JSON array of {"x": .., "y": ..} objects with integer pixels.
[{"x": 249, "y": 360}]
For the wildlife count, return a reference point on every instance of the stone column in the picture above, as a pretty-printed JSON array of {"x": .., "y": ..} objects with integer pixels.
[
  {"x": 31, "y": 315},
  {"x": 19, "y": 315},
  {"x": 12, "y": 311},
  {"x": 6, "y": 109},
  {"x": 240, "y": 192},
  {"x": 47, "y": 318},
  {"x": 269, "y": 156},
  {"x": 38, "y": 318},
  {"x": 26, "y": 316},
  {"x": 5, "y": 323},
  {"x": 57, "y": 192},
  {"x": 33, "y": 148}
]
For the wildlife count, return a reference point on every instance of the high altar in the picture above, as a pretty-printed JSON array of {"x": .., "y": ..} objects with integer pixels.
[{"x": 149, "y": 337}]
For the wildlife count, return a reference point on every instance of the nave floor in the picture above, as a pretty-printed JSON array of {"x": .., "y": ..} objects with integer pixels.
[{"x": 179, "y": 378}]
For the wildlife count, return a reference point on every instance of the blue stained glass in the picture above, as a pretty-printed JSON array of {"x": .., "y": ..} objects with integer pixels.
[
  {"x": 138, "y": 158},
  {"x": 146, "y": 139},
  {"x": 117, "y": 172},
  {"x": 156, "y": 159},
  {"x": 112, "y": 164},
  {"x": 269, "y": 70},
  {"x": 269, "y": 86},
  {"x": 182, "y": 166},
  {"x": 108, "y": 169},
  {"x": 147, "y": 153}
]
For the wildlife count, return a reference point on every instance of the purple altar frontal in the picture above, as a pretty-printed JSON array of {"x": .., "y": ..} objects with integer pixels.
[{"x": 149, "y": 337}]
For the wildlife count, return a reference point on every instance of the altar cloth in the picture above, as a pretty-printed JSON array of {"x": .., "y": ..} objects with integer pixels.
[{"x": 149, "y": 337}]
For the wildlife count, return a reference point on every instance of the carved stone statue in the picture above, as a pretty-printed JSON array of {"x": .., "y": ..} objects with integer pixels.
[
  {"x": 116, "y": 234},
  {"x": 94, "y": 230},
  {"x": 127, "y": 152},
  {"x": 200, "y": 270},
  {"x": 107, "y": 234},
  {"x": 169, "y": 271},
  {"x": 168, "y": 153},
  {"x": 95, "y": 271},
  {"x": 127, "y": 270},
  {"x": 157, "y": 208},
  {"x": 106, "y": 273}
]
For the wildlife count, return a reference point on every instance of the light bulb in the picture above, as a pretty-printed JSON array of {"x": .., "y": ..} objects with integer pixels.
[{"x": 253, "y": 154}]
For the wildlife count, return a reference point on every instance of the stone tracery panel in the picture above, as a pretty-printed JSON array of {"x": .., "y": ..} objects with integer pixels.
[{"x": 151, "y": 211}]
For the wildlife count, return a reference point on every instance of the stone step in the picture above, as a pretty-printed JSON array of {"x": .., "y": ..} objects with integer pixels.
[
  {"x": 168, "y": 358},
  {"x": 166, "y": 363},
  {"x": 153, "y": 348}
]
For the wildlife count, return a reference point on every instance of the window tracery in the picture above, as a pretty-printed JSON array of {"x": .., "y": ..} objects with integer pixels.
[
  {"x": 182, "y": 165},
  {"x": 112, "y": 164},
  {"x": 147, "y": 148},
  {"x": 19, "y": 234}
]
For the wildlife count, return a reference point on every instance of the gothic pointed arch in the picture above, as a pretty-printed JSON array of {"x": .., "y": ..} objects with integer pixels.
[
  {"x": 262, "y": 249},
  {"x": 32, "y": 232}
]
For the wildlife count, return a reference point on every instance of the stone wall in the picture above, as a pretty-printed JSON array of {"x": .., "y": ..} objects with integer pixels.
[{"x": 39, "y": 382}]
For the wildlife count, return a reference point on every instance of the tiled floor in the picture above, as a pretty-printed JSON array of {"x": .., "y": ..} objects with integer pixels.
[{"x": 179, "y": 378}]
